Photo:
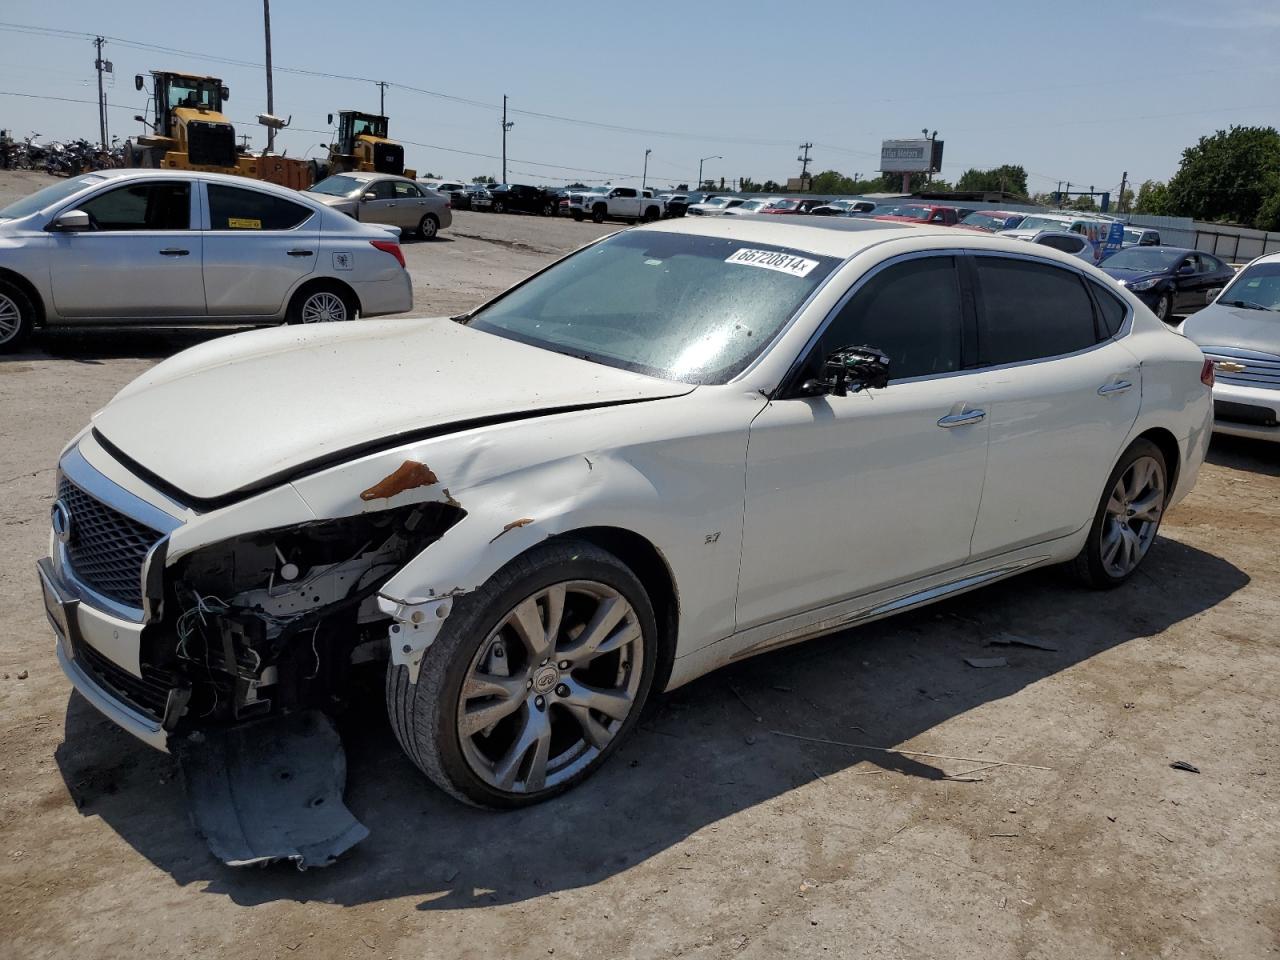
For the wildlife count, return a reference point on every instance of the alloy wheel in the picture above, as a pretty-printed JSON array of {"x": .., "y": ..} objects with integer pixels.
[
  {"x": 10, "y": 319},
  {"x": 1133, "y": 516},
  {"x": 1162, "y": 307},
  {"x": 551, "y": 686},
  {"x": 324, "y": 307}
]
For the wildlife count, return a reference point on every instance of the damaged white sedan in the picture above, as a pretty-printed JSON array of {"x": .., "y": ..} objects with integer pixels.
[{"x": 682, "y": 445}]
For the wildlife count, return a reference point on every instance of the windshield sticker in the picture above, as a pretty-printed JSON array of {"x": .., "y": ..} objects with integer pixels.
[
  {"x": 773, "y": 260},
  {"x": 243, "y": 223}
]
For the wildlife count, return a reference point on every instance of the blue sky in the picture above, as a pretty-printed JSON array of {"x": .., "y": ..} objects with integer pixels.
[{"x": 1077, "y": 91}]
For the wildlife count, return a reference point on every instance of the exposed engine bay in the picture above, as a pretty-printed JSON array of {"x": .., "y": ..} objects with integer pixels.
[{"x": 272, "y": 621}]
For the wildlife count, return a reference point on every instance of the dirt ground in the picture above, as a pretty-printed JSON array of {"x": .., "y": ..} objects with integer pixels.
[{"x": 710, "y": 834}]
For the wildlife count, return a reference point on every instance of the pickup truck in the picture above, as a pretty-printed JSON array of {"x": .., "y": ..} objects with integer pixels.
[{"x": 617, "y": 203}]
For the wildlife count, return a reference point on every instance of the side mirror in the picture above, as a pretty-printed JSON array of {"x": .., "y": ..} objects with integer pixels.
[
  {"x": 73, "y": 221},
  {"x": 137, "y": 81},
  {"x": 140, "y": 118},
  {"x": 849, "y": 370},
  {"x": 226, "y": 92},
  {"x": 1186, "y": 270},
  {"x": 331, "y": 119},
  {"x": 370, "y": 196}
]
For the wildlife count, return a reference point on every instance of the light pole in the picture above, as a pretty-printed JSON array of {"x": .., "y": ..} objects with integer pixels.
[
  {"x": 700, "y": 163},
  {"x": 928, "y": 177},
  {"x": 645, "y": 176},
  {"x": 506, "y": 125}
]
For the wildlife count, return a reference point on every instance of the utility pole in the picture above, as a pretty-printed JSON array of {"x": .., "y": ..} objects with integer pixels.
[
  {"x": 804, "y": 163},
  {"x": 101, "y": 65},
  {"x": 506, "y": 125},
  {"x": 382, "y": 98},
  {"x": 1124, "y": 182},
  {"x": 645, "y": 176},
  {"x": 271, "y": 103}
]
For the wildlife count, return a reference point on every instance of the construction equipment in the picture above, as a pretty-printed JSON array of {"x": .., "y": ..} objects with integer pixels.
[
  {"x": 362, "y": 145},
  {"x": 190, "y": 132}
]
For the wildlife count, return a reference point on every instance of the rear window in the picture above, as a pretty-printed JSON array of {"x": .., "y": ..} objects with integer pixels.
[
  {"x": 1029, "y": 311},
  {"x": 1111, "y": 309},
  {"x": 231, "y": 208}
]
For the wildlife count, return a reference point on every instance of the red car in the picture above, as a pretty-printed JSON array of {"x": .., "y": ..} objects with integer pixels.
[
  {"x": 791, "y": 205},
  {"x": 919, "y": 213},
  {"x": 991, "y": 221}
]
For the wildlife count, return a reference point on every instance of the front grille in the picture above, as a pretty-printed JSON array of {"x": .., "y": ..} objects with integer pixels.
[
  {"x": 211, "y": 144},
  {"x": 388, "y": 158},
  {"x": 1257, "y": 372},
  {"x": 107, "y": 549},
  {"x": 148, "y": 694}
]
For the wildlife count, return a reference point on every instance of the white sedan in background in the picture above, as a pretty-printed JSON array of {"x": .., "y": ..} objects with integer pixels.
[
  {"x": 751, "y": 206},
  {"x": 181, "y": 247},
  {"x": 696, "y": 441},
  {"x": 714, "y": 207}
]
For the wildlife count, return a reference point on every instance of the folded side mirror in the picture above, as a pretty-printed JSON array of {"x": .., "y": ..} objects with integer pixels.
[
  {"x": 226, "y": 93},
  {"x": 331, "y": 119},
  {"x": 137, "y": 81},
  {"x": 73, "y": 221},
  {"x": 849, "y": 370}
]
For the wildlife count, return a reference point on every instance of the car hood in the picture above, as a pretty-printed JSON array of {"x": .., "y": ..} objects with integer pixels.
[
  {"x": 1235, "y": 328},
  {"x": 243, "y": 412},
  {"x": 1131, "y": 274}
]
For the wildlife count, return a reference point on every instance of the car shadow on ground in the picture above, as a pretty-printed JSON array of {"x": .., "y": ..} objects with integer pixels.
[
  {"x": 1245, "y": 453},
  {"x": 116, "y": 343},
  {"x": 700, "y": 754}
]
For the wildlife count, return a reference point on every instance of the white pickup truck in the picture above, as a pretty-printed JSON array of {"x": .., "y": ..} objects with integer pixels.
[{"x": 617, "y": 203}]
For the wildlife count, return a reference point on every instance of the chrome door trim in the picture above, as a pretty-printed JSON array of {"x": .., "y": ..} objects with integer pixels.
[{"x": 877, "y": 611}]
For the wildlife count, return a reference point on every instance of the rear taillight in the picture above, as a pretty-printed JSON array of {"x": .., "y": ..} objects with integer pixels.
[
  {"x": 1206, "y": 372},
  {"x": 389, "y": 246},
  {"x": 448, "y": 205}
]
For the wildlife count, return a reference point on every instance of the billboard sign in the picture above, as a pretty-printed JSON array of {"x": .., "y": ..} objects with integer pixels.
[{"x": 910, "y": 156}]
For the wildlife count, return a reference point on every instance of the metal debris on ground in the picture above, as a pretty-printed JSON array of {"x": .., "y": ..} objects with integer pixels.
[
  {"x": 1183, "y": 765},
  {"x": 986, "y": 663}
]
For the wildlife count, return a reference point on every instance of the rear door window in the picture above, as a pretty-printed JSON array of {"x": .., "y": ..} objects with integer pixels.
[
  {"x": 233, "y": 208},
  {"x": 1111, "y": 310},
  {"x": 1030, "y": 311}
]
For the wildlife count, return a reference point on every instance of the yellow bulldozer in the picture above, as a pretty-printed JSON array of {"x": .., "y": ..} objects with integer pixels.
[
  {"x": 362, "y": 145},
  {"x": 190, "y": 132}
]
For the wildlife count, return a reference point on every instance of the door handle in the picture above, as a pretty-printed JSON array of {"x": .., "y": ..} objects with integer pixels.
[
  {"x": 174, "y": 252},
  {"x": 301, "y": 253},
  {"x": 1113, "y": 389},
  {"x": 963, "y": 418}
]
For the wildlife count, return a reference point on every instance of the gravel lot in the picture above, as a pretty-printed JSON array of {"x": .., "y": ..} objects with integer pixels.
[{"x": 709, "y": 835}]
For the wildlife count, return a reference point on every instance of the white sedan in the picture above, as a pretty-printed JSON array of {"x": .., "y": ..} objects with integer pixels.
[
  {"x": 182, "y": 247},
  {"x": 685, "y": 444}
]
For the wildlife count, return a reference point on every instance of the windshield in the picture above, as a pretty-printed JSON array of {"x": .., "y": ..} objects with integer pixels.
[
  {"x": 754, "y": 204},
  {"x": 337, "y": 186},
  {"x": 1144, "y": 258},
  {"x": 48, "y": 196},
  {"x": 786, "y": 204},
  {"x": 1256, "y": 286},
  {"x": 716, "y": 202},
  {"x": 904, "y": 210},
  {"x": 678, "y": 306},
  {"x": 986, "y": 221},
  {"x": 371, "y": 126},
  {"x": 189, "y": 92}
]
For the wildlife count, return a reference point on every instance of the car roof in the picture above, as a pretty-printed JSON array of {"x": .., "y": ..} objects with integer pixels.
[{"x": 151, "y": 173}]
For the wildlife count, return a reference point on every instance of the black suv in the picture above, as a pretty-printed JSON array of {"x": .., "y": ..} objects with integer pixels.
[{"x": 508, "y": 197}]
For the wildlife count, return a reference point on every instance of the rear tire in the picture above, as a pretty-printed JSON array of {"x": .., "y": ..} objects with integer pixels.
[
  {"x": 17, "y": 316},
  {"x": 322, "y": 303},
  {"x": 478, "y": 658},
  {"x": 1127, "y": 520},
  {"x": 651, "y": 214}
]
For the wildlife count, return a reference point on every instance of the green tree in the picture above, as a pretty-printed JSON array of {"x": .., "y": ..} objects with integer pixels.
[
  {"x": 484, "y": 180},
  {"x": 1228, "y": 176},
  {"x": 1124, "y": 202},
  {"x": 1153, "y": 198},
  {"x": 1269, "y": 213},
  {"x": 1009, "y": 178},
  {"x": 1085, "y": 202}
]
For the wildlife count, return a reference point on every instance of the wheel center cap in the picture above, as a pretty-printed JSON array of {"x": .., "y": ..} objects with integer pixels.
[{"x": 545, "y": 679}]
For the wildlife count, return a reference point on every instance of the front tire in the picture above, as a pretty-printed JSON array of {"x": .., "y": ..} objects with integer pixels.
[
  {"x": 499, "y": 207},
  {"x": 1164, "y": 307},
  {"x": 533, "y": 682},
  {"x": 1127, "y": 519},
  {"x": 597, "y": 215},
  {"x": 428, "y": 227},
  {"x": 17, "y": 316},
  {"x": 577, "y": 216}
]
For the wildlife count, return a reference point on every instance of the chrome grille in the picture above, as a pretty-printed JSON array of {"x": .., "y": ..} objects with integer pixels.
[
  {"x": 107, "y": 549},
  {"x": 1258, "y": 371}
]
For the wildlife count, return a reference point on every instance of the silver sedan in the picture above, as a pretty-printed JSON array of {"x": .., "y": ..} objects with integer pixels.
[
  {"x": 386, "y": 198},
  {"x": 180, "y": 246}
]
